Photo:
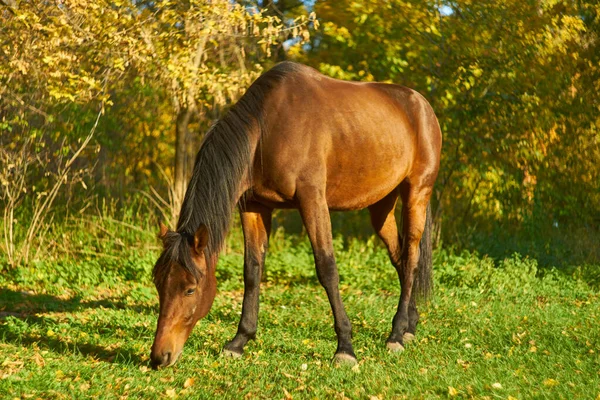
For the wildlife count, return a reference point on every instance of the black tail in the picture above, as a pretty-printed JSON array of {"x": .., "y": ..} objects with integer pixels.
[{"x": 423, "y": 286}]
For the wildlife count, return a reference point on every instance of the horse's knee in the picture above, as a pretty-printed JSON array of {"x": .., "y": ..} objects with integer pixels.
[{"x": 410, "y": 247}]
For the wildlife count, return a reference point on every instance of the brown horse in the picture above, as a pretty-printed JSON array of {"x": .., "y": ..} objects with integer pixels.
[{"x": 299, "y": 139}]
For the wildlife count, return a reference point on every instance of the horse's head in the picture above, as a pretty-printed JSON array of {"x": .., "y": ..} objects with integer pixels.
[{"x": 185, "y": 279}]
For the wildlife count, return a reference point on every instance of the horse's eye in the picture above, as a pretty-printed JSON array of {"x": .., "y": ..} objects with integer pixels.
[{"x": 190, "y": 292}]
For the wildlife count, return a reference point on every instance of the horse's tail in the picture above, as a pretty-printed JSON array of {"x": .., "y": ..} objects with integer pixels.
[{"x": 423, "y": 285}]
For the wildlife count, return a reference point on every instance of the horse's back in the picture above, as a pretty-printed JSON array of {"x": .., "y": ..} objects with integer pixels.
[{"x": 356, "y": 140}]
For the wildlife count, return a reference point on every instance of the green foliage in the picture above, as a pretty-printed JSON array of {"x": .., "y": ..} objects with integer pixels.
[
  {"x": 515, "y": 87},
  {"x": 64, "y": 65},
  {"x": 467, "y": 270},
  {"x": 549, "y": 242}
]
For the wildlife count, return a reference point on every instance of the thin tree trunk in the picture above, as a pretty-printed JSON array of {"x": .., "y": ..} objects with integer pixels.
[{"x": 180, "y": 183}]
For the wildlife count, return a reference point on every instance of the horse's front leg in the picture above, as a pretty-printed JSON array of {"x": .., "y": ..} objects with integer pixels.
[
  {"x": 256, "y": 225},
  {"x": 316, "y": 218}
]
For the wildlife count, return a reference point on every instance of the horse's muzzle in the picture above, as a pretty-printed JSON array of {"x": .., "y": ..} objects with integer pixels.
[{"x": 160, "y": 360}]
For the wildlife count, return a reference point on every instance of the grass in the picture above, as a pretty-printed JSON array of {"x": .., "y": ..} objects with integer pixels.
[{"x": 82, "y": 327}]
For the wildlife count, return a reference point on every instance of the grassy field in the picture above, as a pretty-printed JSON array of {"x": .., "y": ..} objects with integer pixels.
[{"x": 82, "y": 327}]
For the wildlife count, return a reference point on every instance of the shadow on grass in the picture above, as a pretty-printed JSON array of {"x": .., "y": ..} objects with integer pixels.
[
  {"x": 25, "y": 306},
  {"x": 57, "y": 345},
  {"x": 15, "y": 303}
]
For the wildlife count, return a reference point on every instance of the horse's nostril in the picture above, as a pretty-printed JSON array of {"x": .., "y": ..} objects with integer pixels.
[
  {"x": 159, "y": 360},
  {"x": 154, "y": 361}
]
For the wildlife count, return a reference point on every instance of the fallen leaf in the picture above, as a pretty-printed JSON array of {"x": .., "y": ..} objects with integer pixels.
[
  {"x": 452, "y": 392},
  {"x": 288, "y": 396},
  {"x": 550, "y": 382},
  {"x": 39, "y": 360},
  {"x": 188, "y": 382},
  {"x": 288, "y": 375}
]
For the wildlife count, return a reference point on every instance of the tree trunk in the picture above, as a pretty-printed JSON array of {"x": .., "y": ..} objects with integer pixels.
[{"x": 181, "y": 156}]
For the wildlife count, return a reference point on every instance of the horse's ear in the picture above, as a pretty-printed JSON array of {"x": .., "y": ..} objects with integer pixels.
[
  {"x": 201, "y": 239},
  {"x": 163, "y": 231}
]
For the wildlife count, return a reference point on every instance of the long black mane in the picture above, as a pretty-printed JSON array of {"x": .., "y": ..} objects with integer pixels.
[{"x": 221, "y": 163}]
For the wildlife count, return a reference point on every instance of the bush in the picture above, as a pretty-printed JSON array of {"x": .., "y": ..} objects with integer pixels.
[{"x": 468, "y": 270}]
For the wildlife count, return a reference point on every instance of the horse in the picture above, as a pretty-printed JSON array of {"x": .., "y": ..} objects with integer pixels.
[{"x": 299, "y": 139}]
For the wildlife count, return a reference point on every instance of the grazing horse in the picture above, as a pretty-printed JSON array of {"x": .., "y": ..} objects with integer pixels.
[{"x": 299, "y": 139}]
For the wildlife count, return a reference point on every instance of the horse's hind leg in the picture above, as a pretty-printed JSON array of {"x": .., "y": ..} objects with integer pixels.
[
  {"x": 256, "y": 225},
  {"x": 316, "y": 218},
  {"x": 384, "y": 223},
  {"x": 414, "y": 211}
]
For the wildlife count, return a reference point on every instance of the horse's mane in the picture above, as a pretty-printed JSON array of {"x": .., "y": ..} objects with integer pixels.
[{"x": 223, "y": 159}]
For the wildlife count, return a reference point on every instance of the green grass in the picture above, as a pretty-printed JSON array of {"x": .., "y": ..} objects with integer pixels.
[{"x": 82, "y": 326}]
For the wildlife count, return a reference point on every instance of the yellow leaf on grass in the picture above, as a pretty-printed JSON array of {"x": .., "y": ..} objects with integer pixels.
[
  {"x": 188, "y": 382},
  {"x": 550, "y": 382},
  {"x": 288, "y": 396},
  {"x": 452, "y": 392},
  {"x": 170, "y": 393},
  {"x": 39, "y": 360}
]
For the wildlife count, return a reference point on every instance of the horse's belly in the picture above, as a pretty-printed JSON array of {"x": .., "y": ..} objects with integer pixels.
[
  {"x": 361, "y": 197},
  {"x": 353, "y": 187}
]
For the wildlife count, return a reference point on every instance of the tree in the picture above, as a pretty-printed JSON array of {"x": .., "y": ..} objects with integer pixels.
[
  {"x": 198, "y": 52},
  {"x": 63, "y": 63},
  {"x": 56, "y": 64}
]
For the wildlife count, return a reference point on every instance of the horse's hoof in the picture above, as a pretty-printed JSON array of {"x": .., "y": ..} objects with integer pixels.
[
  {"x": 395, "y": 347},
  {"x": 408, "y": 337},
  {"x": 231, "y": 354},
  {"x": 344, "y": 359}
]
